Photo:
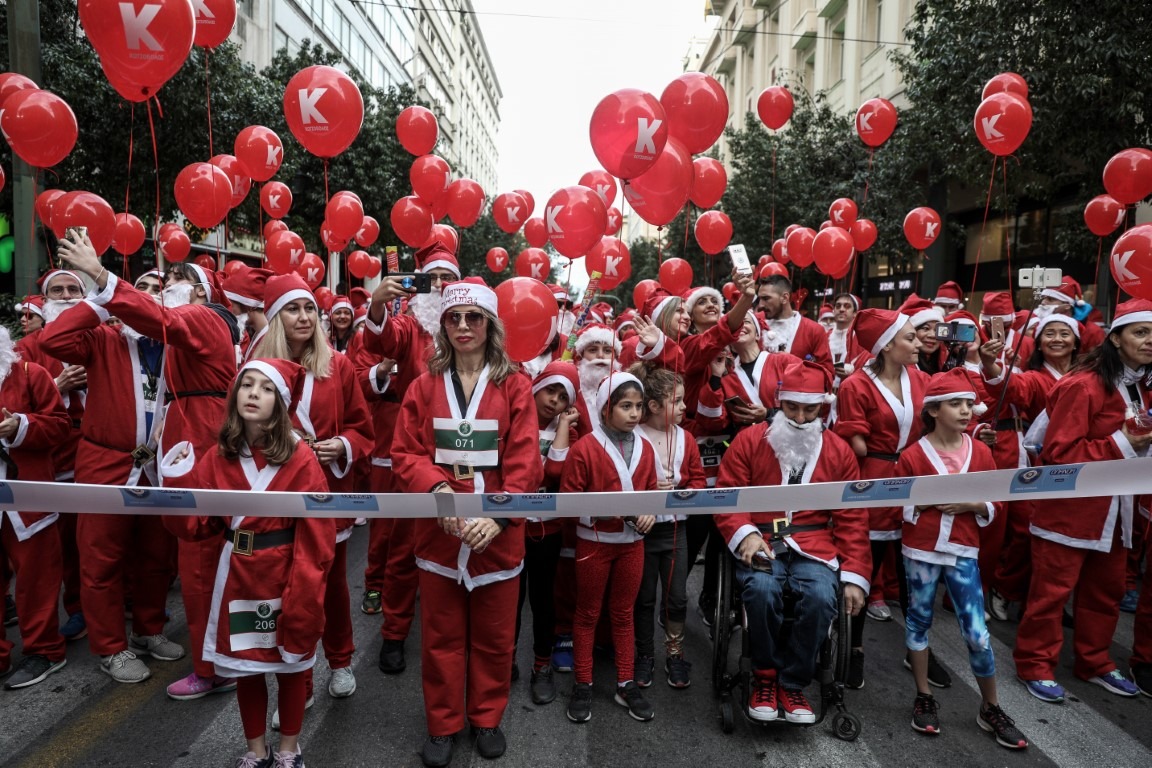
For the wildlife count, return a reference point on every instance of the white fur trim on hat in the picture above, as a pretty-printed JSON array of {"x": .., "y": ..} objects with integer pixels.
[
  {"x": 1052, "y": 293},
  {"x": 57, "y": 272},
  {"x": 451, "y": 266},
  {"x": 806, "y": 398},
  {"x": 889, "y": 333},
  {"x": 698, "y": 293},
  {"x": 611, "y": 383},
  {"x": 556, "y": 378},
  {"x": 342, "y": 305},
  {"x": 150, "y": 273},
  {"x": 663, "y": 305},
  {"x": 203, "y": 280},
  {"x": 1129, "y": 319},
  {"x": 273, "y": 376},
  {"x": 463, "y": 294},
  {"x": 927, "y": 316},
  {"x": 1067, "y": 320},
  {"x": 29, "y": 307},
  {"x": 966, "y": 395},
  {"x": 596, "y": 336},
  {"x": 293, "y": 295},
  {"x": 240, "y": 298}
]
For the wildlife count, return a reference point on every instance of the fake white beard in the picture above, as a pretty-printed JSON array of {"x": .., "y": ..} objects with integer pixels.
[
  {"x": 178, "y": 295},
  {"x": 1043, "y": 311},
  {"x": 53, "y": 308},
  {"x": 567, "y": 321},
  {"x": 425, "y": 307},
  {"x": 8, "y": 354},
  {"x": 242, "y": 322},
  {"x": 592, "y": 373},
  {"x": 796, "y": 445}
]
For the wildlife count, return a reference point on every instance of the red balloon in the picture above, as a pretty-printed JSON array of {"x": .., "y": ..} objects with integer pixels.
[
  {"x": 509, "y": 211},
  {"x": 615, "y": 219},
  {"x": 274, "y": 226},
  {"x": 533, "y": 262},
  {"x": 140, "y": 46},
  {"x": 864, "y": 234},
  {"x": 465, "y": 201},
  {"x": 1006, "y": 82},
  {"x": 128, "y": 234},
  {"x": 233, "y": 267},
  {"x": 658, "y": 195},
  {"x": 697, "y": 110},
  {"x": 774, "y": 106},
  {"x": 39, "y": 126},
  {"x": 1002, "y": 123},
  {"x": 713, "y": 231},
  {"x": 825, "y": 224},
  {"x": 166, "y": 228},
  {"x": 708, "y": 183},
  {"x": 628, "y": 132},
  {"x": 764, "y": 259},
  {"x": 345, "y": 215},
  {"x": 1131, "y": 261},
  {"x": 833, "y": 250},
  {"x": 324, "y": 110},
  {"x": 323, "y": 297},
  {"x": 311, "y": 270},
  {"x": 214, "y": 21},
  {"x": 284, "y": 252},
  {"x": 206, "y": 262},
  {"x": 875, "y": 121},
  {"x": 576, "y": 220},
  {"x": 602, "y": 183},
  {"x": 445, "y": 235},
  {"x": 333, "y": 243},
  {"x": 611, "y": 259},
  {"x": 780, "y": 250},
  {"x": 799, "y": 244},
  {"x": 241, "y": 183},
  {"x": 359, "y": 264},
  {"x": 417, "y": 130},
  {"x": 921, "y": 227},
  {"x": 175, "y": 245},
  {"x": 842, "y": 212},
  {"x": 642, "y": 291},
  {"x": 843, "y": 272},
  {"x": 429, "y": 176},
  {"x": 259, "y": 152},
  {"x": 730, "y": 293},
  {"x": 10, "y": 83},
  {"x": 528, "y": 199},
  {"x": 536, "y": 232},
  {"x": 204, "y": 194},
  {"x": 497, "y": 259},
  {"x": 85, "y": 209},
  {"x": 1128, "y": 175},
  {"x": 676, "y": 276},
  {"x": 374, "y": 267},
  {"x": 411, "y": 220},
  {"x": 528, "y": 310},
  {"x": 44, "y": 205},
  {"x": 1103, "y": 215},
  {"x": 773, "y": 270},
  {"x": 368, "y": 233},
  {"x": 790, "y": 229}
]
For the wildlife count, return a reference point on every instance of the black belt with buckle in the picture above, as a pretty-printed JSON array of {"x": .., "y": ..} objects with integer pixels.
[
  {"x": 142, "y": 455},
  {"x": 466, "y": 471},
  {"x": 1016, "y": 425},
  {"x": 892, "y": 457},
  {"x": 170, "y": 396},
  {"x": 780, "y": 528},
  {"x": 245, "y": 542}
]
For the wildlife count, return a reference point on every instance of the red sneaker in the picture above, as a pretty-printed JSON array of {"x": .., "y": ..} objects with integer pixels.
[
  {"x": 796, "y": 706},
  {"x": 762, "y": 697}
]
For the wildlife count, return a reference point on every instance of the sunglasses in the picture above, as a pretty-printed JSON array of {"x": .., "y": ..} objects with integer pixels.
[{"x": 473, "y": 319}]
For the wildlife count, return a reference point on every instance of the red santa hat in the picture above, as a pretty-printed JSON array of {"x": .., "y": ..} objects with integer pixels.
[
  {"x": 921, "y": 310},
  {"x": 950, "y": 294},
  {"x": 287, "y": 376},
  {"x": 32, "y": 305},
  {"x": 560, "y": 292},
  {"x": 359, "y": 315},
  {"x": 150, "y": 273},
  {"x": 208, "y": 279},
  {"x": 1131, "y": 311},
  {"x": 471, "y": 291},
  {"x": 807, "y": 383},
  {"x": 998, "y": 304},
  {"x": 558, "y": 372},
  {"x": 1068, "y": 292},
  {"x": 951, "y": 385},
  {"x": 876, "y": 327},
  {"x": 436, "y": 255},
  {"x": 279, "y": 290},
  {"x": 603, "y": 311},
  {"x": 246, "y": 286},
  {"x": 658, "y": 301},
  {"x": 359, "y": 297},
  {"x": 856, "y": 302},
  {"x": 963, "y": 317},
  {"x": 826, "y": 312},
  {"x": 50, "y": 276},
  {"x": 1067, "y": 320},
  {"x": 695, "y": 294},
  {"x": 341, "y": 302},
  {"x": 626, "y": 321},
  {"x": 1020, "y": 319},
  {"x": 596, "y": 333},
  {"x": 611, "y": 383}
]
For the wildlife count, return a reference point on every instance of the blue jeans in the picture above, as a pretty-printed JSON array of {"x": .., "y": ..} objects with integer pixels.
[
  {"x": 962, "y": 581},
  {"x": 814, "y": 584}
]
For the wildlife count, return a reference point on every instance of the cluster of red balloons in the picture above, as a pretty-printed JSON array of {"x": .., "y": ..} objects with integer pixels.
[
  {"x": 1004, "y": 117},
  {"x": 364, "y": 265},
  {"x": 39, "y": 125},
  {"x": 173, "y": 242}
]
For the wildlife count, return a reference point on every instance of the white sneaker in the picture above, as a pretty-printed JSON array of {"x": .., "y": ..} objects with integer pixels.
[
  {"x": 156, "y": 646},
  {"x": 124, "y": 667},
  {"x": 998, "y": 606},
  {"x": 879, "y": 611},
  {"x": 342, "y": 683},
  {"x": 276, "y": 715}
]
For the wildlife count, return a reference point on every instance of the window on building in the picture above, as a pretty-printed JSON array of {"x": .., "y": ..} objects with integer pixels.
[
  {"x": 247, "y": 8},
  {"x": 280, "y": 40},
  {"x": 874, "y": 21},
  {"x": 836, "y": 50}
]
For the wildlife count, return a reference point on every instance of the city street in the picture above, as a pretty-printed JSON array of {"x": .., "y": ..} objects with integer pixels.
[{"x": 79, "y": 717}]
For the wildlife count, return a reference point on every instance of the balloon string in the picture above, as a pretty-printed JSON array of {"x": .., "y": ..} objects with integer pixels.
[
  {"x": 1008, "y": 242},
  {"x": 260, "y": 218},
  {"x": 32, "y": 223},
  {"x": 774, "y": 140},
  {"x": 128, "y": 185},
  {"x": 984, "y": 224},
  {"x": 208, "y": 101},
  {"x": 1099, "y": 251},
  {"x": 871, "y": 154}
]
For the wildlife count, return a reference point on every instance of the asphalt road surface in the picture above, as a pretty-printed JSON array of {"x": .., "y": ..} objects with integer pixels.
[{"x": 80, "y": 717}]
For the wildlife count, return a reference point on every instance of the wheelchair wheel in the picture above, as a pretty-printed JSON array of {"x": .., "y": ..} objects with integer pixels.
[
  {"x": 727, "y": 714},
  {"x": 846, "y": 726},
  {"x": 722, "y": 624}
]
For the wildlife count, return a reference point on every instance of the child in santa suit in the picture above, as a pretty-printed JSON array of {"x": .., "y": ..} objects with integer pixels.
[
  {"x": 597, "y": 355},
  {"x": 940, "y": 544},
  {"x": 610, "y": 550},
  {"x": 666, "y": 545},
  {"x": 267, "y": 609}
]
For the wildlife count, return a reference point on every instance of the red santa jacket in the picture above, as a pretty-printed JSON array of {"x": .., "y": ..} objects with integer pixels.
[
  {"x": 759, "y": 389},
  {"x": 929, "y": 535},
  {"x": 867, "y": 408},
  {"x": 842, "y": 545},
  {"x": 335, "y": 407},
  {"x": 1085, "y": 423},
  {"x": 430, "y": 411},
  {"x": 267, "y": 611},
  {"x": 1027, "y": 390},
  {"x": 809, "y": 342},
  {"x": 594, "y": 464},
  {"x": 31, "y": 348},
  {"x": 116, "y": 383}
]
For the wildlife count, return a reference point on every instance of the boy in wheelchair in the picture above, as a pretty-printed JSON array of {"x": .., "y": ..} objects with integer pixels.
[{"x": 803, "y": 551}]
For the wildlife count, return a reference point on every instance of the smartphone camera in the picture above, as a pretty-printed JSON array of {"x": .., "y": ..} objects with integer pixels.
[
  {"x": 956, "y": 332},
  {"x": 415, "y": 282}
]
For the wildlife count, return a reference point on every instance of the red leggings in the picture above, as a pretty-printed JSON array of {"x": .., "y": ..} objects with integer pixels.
[
  {"x": 617, "y": 568},
  {"x": 252, "y": 696}
]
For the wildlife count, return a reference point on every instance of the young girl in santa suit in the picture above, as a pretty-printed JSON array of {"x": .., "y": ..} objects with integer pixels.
[
  {"x": 610, "y": 550},
  {"x": 666, "y": 545},
  {"x": 941, "y": 543},
  {"x": 267, "y": 611}
]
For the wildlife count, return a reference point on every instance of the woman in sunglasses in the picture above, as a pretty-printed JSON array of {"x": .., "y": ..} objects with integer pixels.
[{"x": 468, "y": 425}]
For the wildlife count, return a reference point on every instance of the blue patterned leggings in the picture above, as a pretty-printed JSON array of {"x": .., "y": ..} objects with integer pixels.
[{"x": 962, "y": 581}]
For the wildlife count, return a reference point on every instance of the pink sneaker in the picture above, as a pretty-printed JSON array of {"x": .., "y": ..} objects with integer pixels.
[{"x": 196, "y": 687}]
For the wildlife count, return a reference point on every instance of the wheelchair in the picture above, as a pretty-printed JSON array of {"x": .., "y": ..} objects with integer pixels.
[{"x": 734, "y": 688}]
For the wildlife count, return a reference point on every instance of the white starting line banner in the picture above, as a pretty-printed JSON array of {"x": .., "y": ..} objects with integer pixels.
[{"x": 1103, "y": 478}]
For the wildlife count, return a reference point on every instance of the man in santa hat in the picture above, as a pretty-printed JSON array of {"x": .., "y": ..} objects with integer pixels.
[
  {"x": 787, "y": 330},
  {"x": 827, "y": 317},
  {"x": 842, "y": 344},
  {"x": 949, "y": 297},
  {"x": 1017, "y": 347},
  {"x": 1068, "y": 299},
  {"x": 799, "y": 552},
  {"x": 597, "y": 355},
  {"x": 31, "y": 312},
  {"x": 244, "y": 290}
]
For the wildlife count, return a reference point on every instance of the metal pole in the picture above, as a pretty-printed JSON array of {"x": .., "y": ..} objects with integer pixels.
[{"x": 24, "y": 58}]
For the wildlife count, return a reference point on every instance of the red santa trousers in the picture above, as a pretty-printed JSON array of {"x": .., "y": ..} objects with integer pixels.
[
  {"x": 466, "y": 652},
  {"x": 337, "y": 640},
  {"x": 252, "y": 697},
  {"x": 566, "y": 578},
  {"x": 616, "y": 569},
  {"x": 1014, "y": 571},
  {"x": 36, "y": 562},
  {"x": 1098, "y": 581},
  {"x": 198, "y": 561},
  {"x": 70, "y": 562},
  {"x": 401, "y": 581},
  {"x": 1142, "y": 629},
  {"x": 380, "y": 481}
]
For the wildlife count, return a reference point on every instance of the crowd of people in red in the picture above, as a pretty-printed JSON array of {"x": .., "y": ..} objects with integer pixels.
[{"x": 245, "y": 382}]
